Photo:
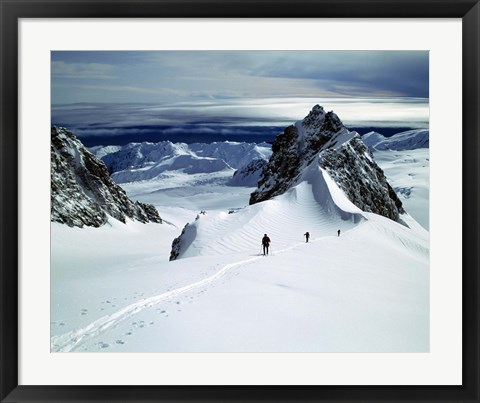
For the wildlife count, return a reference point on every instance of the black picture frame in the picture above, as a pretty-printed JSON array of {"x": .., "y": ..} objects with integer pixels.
[{"x": 13, "y": 10}]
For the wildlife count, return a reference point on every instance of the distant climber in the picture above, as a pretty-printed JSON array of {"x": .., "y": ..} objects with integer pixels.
[
  {"x": 306, "y": 235},
  {"x": 266, "y": 244},
  {"x": 338, "y": 233}
]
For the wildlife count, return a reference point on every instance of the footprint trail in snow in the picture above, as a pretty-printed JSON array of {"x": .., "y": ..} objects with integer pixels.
[{"x": 72, "y": 340}]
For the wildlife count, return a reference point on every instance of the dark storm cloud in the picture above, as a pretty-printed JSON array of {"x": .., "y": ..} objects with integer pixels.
[{"x": 357, "y": 72}]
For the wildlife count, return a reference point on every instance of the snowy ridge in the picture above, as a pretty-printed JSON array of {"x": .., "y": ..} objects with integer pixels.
[
  {"x": 310, "y": 204},
  {"x": 101, "y": 151},
  {"x": 408, "y": 140},
  {"x": 372, "y": 138}
]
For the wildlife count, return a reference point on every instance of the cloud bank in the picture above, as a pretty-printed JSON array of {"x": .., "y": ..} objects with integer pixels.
[{"x": 117, "y": 93}]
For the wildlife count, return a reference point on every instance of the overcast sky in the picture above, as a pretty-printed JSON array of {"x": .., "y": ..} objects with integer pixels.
[{"x": 232, "y": 87}]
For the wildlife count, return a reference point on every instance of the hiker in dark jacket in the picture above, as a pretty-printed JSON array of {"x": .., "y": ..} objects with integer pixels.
[
  {"x": 306, "y": 235},
  {"x": 266, "y": 243}
]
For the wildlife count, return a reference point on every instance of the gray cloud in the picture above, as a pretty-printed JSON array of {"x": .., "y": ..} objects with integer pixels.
[
  {"x": 394, "y": 111},
  {"x": 98, "y": 71}
]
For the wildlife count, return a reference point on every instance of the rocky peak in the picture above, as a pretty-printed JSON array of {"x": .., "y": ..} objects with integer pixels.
[
  {"x": 318, "y": 119},
  {"x": 82, "y": 192},
  {"x": 315, "y": 116},
  {"x": 321, "y": 138}
]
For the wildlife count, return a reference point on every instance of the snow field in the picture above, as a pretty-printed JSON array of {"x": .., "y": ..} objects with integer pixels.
[
  {"x": 365, "y": 291},
  {"x": 409, "y": 174},
  {"x": 289, "y": 301}
]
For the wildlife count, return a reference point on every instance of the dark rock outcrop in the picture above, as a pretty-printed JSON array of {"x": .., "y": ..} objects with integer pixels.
[
  {"x": 183, "y": 241},
  {"x": 82, "y": 192},
  {"x": 363, "y": 181}
]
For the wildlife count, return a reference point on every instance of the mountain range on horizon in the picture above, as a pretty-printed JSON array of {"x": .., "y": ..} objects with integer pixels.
[
  {"x": 252, "y": 163},
  {"x": 146, "y": 160},
  {"x": 121, "y": 136}
]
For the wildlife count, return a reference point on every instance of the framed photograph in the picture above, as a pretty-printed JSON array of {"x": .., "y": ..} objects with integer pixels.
[{"x": 239, "y": 201}]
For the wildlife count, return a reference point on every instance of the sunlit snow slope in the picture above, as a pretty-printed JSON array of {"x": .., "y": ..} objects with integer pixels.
[
  {"x": 309, "y": 206},
  {"x": 365, "y": 291}
]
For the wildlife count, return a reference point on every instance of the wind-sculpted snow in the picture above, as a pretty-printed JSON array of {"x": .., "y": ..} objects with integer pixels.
[
  {"x": 145, "y": 161},
  {"x": 82, "y": 192},
  {"x": 409, "y": 140},
  {"x": 322, "y": 139}
]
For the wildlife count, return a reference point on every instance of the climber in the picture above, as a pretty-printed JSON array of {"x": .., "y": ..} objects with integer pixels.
[
  {"x": 338, "y": 233},
  {"x": 266, "y": 243},
  {"x": 306, "y": 235}
]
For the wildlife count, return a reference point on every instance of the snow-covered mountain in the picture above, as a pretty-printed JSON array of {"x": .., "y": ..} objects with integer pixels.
[
  {"x": 249, "y": 175},
  {"x": 101, "y": 151},
  {"x": 146, "y": 161},
  {"x": 82, "y": 192},
  {"x": 408, "y": 140},
  {"x": 372, "y": 138},
  {"x": 319, "y": 174},
  {"x": 322, "y": 140}
]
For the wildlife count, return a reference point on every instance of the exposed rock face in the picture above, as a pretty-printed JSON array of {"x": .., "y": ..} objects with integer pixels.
[
  {"x": 352, "y": 167},
  {"x": 82, "y": 192},
  {"x": 183, "y": 241},
  {"x": 176, "y": 245},
  {"x": 321, "y": 138}
]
